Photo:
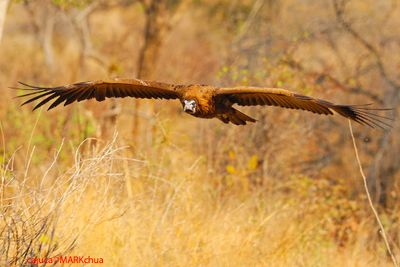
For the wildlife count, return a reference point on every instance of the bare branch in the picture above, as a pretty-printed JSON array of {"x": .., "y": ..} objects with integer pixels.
[
  {"x": 382, "y": 229},
  {"x": 326, "y": 77},
  {"x": 339, "y": 11}
]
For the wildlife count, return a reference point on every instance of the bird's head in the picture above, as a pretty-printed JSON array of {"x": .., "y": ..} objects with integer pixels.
[{"x": 189, "y": 106}]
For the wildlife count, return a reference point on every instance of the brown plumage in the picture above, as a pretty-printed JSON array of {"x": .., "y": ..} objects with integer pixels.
[{"x": 201, "y": 101}]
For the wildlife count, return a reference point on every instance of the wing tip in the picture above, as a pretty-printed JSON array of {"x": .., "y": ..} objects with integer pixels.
[{"x": 367, "y": 116}]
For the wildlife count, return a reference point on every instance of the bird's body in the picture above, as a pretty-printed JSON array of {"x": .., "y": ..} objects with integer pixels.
[
  {"x": 209, "y": 105},
  {"x": 203, "y": 95},
  {"x": 202, "y": 101}
]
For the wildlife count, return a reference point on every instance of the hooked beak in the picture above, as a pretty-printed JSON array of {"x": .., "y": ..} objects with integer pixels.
[
  {"x": 188, "y": 109},
  {"x": 189, "y": 106}
]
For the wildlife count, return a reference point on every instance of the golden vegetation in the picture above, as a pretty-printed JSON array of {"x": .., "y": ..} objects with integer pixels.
[{"x": 186, "y": 192}]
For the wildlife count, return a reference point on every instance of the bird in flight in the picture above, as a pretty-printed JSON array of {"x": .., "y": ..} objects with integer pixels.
[{"x": 202, "y": 101}]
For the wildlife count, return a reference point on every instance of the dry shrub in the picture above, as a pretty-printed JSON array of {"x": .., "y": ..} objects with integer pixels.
[{"x": 169, "y": 211}]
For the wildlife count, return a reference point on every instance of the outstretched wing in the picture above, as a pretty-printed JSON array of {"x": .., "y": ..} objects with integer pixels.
[
  {"x": 252, "y": 96},
  {"x": 100, "y": 90}
]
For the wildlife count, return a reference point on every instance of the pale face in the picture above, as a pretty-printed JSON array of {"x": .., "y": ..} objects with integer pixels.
[{"x": 189, "y": 106}]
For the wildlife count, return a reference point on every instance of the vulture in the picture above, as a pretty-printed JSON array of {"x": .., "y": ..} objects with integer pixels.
[{"x": 201, "y": 101}]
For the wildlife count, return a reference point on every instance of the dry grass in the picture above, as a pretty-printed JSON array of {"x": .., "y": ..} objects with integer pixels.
[{"x": 168, "y": 212}]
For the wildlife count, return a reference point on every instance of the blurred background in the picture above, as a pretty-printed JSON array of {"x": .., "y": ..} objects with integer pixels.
[{"x": 140, "y": 183}]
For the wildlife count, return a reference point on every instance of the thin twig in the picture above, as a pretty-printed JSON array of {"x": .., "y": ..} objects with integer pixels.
[{"x": 382, "y": 230}]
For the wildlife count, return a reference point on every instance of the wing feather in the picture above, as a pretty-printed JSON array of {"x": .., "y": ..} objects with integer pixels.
[
  {"x": 36, "y": 97},
  {"x": 41, "y": 103},
  {"x": 86, "y": 94},
  {"x": 252, "y": 96},
  {"x": 100, "y": 90}
]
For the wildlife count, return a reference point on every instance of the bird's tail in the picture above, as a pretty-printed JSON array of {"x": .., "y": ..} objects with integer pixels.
[{"x": 236, "y": 117}]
